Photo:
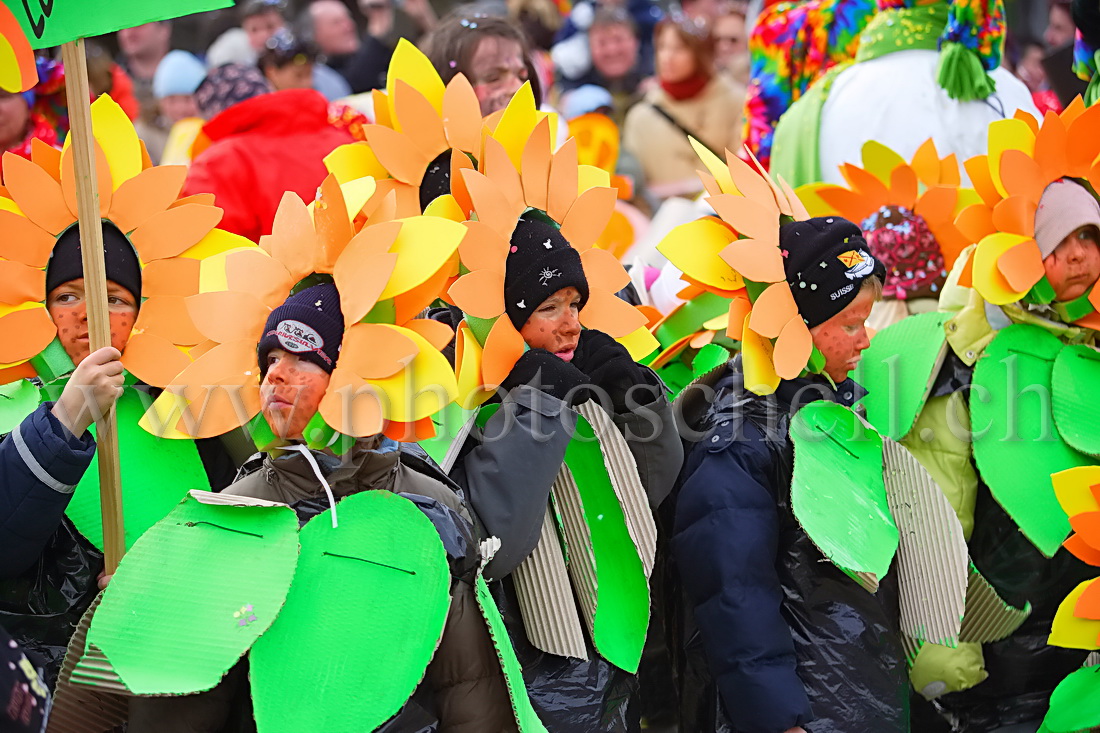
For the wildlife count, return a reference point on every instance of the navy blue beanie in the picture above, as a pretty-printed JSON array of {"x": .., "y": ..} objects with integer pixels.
[{"x": 309, "y": 324}]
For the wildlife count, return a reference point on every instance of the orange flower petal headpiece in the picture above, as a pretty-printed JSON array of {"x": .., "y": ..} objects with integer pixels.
[
  {"x": 736, "y": 255},
  {"x": 171, "y": 236},
  {"x": 1024, "y": 157},
  {"x": 391, "y": 375},
  {"x": 519, "y": 173},
  {"x": 888, "y": 191}
]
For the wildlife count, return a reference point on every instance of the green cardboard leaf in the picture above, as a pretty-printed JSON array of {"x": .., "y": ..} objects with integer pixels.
[
  {"x": 837, "y": 490},
  {"x": 360, "y": 624},
  {"x": 193, "y": 594},
  {"x": 52, "y": 23},
  {"x": 1075, "y": 380},
  {"x": 690, "y": 317},
  {"x": 156, "y": 474},
  {"x": 52, "y": 363},
  {"x": 622, "y": 589},
  {"x": 1075, "y": 703},
  {"x": 897, "y": 370},
  {"x": 526, "y": 717},
  {"x": 17, "y": 400},
  {"x": 1016, "y": 444},
  {"x": 709, "y": 357},
  {"x": 448, "y": 422}
]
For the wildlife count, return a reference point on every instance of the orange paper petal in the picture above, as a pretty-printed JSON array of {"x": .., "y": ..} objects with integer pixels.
[
  {"x": 483, "y": 248},
  {"x": 376, "y": 351},
  {"x": 746, "y": 216},
  {"x": 603, "y": 271},
  {"x": 975, "y": 222},
  {"x": 331, "y": 222},
  {"x": 503, "y": 348},
  {"x": 409, "y": 432},
  {"x": 903, "y": 186},
  {"x": 740, "y": 308},
  {"x": 170, "y": 232},
  {"x": 46, "y": 157},
  {"x": 438, "y": 334},
  {"x": 462, "y": 115},
  {"x": 292, "y": 241},
  {"x": 419, "y": 120},
  {"x": 491, "y": 205},
  {"x": 402, "y": 158},
  {"x": 145, "y": 194},
  {"x": 1082, "y": 550},
  {"x": 1050, "y": 147},
  {"x": 612, "y": 315},
  {"x": 792, "y": 348},
  {"x": 361, "y": 276},
  {"x": 926, "y": 163},
  {"x": 756, "y": 261},
  {"x": 351, "y": 405},
  {"x": 563, "y": 180},
  {"x": 208, "y": 313},
  {"x": 481, "y": 294},
  {"x": 167, "y": 316},
  {"x": 1022, "y": 265},
  {"x": 536, "y": 166},
  {"x": 1088, "y": 604},
  {"x": 1021, "y": 175},
  {"x": 410, "y": 304},
  {"x": 981, "y": 179},
  {"x": 1083, "y": 142},
  {"x": 23, "y": 241},
  {"x": 36, "y": 193},
  {"x": 251, "y": 271},
  {"x": 588, "y": 216},
  {"x": 26, "y": 332},
  {"x": 174, "y": 276},
  {"x": 103, "y": 180},
  {"x": 773, "y": 310},
  {"x": 153, "y": 360},
  {"x": 749, "y": 182},
  {"x": 497, "y": 166},
  {"x": 1015, "y": 215}
]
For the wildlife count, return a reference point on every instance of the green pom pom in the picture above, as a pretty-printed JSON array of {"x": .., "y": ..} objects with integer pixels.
[
  {"x": 961, "y": 74},
  {"x": 1092, "y": 93}
]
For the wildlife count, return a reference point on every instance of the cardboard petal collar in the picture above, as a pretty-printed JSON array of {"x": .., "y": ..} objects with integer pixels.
[
  {"x": 737, "y": 256},
  {"x": 1024, "y": 157},
  {"x": 142, "y": 200},
  {"x": 390, "y": 377}
]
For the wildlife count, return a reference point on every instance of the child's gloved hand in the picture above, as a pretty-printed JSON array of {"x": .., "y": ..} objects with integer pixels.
[{"x": 546, "y": 372}]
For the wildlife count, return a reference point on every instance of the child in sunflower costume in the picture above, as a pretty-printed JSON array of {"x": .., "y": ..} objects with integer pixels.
[
  {"x": 767, "y": 625},
  {"x": 1017, "y": 320},
  {"x": 148, "y": 233},
  {"x": 463, "y": 689}
]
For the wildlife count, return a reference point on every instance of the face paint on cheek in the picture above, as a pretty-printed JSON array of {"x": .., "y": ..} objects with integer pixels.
[{"x": 122, "y": 324}]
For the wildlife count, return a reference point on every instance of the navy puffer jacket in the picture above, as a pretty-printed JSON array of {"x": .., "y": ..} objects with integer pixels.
[{"x": 767, "y": 633}]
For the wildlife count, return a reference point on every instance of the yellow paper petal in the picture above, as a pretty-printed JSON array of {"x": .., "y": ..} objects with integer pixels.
[
  {"x": 161, "y": 418},
  {"x": 756, "y": 355},
  {"x": 468, "y": 353},
  {"x": 1073, "y": 487},
  {"x": 410, "y": 65},
  {"x": 217, "y": 242},
  {"x": 988, "y": 279},
  {"x": 715, "y": 165},
  {"x": 880, "y": 160},
  {"x": 352, "y": 161},
  {"x": 694, "y": 248},
  {"x": 424, "y": 244},
  {"x": 1007, "y": 135},
  {"x": 517, "y": 123},
  {"x": 116, "y": 135},
  {"x": 445, "y": 207},
  {"x": 640, "y": 343},
  {"x": 589, "y": 176},
  {"x": 425, "y": 387},
  {"x": 1072, "y": 632},
  {"x": 356, "y": 194}
]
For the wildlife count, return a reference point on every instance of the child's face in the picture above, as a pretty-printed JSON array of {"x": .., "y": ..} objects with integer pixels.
[
  {"x": 555, "y": 325},
  {"x": 1074, "y": 265},
  {"x": 66, "y": 307},
  {"x": 291, "y": 393},
  {"x": 842, "y": 338}
]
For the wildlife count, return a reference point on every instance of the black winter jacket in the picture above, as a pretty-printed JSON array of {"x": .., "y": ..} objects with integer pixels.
[{"x": 766, "y": 633}]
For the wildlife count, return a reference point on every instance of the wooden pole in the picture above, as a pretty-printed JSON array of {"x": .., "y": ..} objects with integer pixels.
[{"x": 95, "y": 288}]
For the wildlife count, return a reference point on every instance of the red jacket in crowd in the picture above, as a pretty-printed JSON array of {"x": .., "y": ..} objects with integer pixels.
[{"x": 260, "y": 148}]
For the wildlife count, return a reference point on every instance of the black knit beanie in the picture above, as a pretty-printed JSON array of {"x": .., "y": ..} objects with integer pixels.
[
  {"x": 540, "y": 263},
  {"x": 826, "y": 261},
  {"x": 309, "y": 324},
  {"x": 119, "y": 258}
]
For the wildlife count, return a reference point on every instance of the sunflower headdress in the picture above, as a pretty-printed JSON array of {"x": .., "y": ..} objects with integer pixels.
[
  {"x": 736, "y": 255},
  {"x": 1024, "y": 157},
  {"x": 520, "y": 175},
  {"x": 171, "y": 236},
  {"x": 390, "y": 376},
  {"x": 424, "y": 133},
  {"x": 907, "y": 210}
]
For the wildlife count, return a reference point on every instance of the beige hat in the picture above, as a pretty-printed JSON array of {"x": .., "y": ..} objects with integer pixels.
[{"x": 1064, "y": 207}]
